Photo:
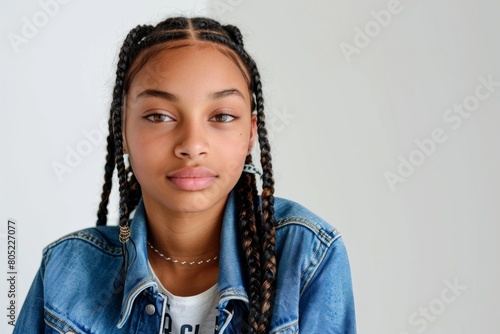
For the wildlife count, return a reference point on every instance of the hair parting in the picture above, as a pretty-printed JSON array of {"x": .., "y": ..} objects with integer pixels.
[{"x": 256, "y": 214}]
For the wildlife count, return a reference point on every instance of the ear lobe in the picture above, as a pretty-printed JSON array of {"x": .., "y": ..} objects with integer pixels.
[
  {"x": 124, "y": 144},
  {"x": 124, "y": 124}
]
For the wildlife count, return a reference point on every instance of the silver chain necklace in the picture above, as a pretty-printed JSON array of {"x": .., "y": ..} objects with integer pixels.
[{"x": 180, "y": 262}]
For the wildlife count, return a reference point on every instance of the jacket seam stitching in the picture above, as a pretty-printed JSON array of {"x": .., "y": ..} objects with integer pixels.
[
  {"x": 53, "y": 325},
  {"x": 287, "y": 326},
  {"x": 318, "y": 255},
  {"x": 320, "y": 262},
  {"x": 87, "y": 238},
  {"x": 317, "y": 230}
]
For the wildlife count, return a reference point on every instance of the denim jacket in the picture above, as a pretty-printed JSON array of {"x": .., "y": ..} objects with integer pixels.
[{"x": 76, "y": 288}]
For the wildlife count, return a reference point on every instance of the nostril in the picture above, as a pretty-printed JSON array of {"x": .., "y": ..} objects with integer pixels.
[{"x": 192, "y": 147}]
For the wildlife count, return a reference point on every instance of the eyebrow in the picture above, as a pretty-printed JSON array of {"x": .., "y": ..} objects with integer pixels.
[
  {"x": 226, "y": 92},
  {"x": 173, "y": 98},
  {"x": 158, "y": 93}
]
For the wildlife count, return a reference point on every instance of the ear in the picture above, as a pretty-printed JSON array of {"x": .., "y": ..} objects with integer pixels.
[
  {"x": 253, "y": 133},
  {"x": 124, "y": 144},
  {"x": 124, "y": 126},
  {"x": 124, "y": 140}
]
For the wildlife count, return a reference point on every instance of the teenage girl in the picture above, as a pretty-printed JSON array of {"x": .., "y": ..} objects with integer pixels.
[{"x": 197, "y": 249}]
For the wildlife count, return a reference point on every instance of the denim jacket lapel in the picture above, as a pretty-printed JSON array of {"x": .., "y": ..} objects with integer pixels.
[
  {"x": 231, "y": 274},
  {"x": 138, "y": 277}
]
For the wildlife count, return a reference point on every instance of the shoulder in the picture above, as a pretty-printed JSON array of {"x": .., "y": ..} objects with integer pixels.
[
  {"x": 312, "y": 260},
  {"x": 313, "y": 269},
  {"x": 101, "y": 239},
  {"x": 291, "y": 216},
  {"x": 306, "y": 244},
  {"x": 78, "y": 276},
  {"x": 75, "y": 263}
]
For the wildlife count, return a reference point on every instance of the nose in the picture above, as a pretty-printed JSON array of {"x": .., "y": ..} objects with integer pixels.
[{"x": 192, "y": 141}]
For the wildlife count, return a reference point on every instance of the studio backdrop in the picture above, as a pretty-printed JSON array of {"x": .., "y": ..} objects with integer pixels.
[{"x": 383, "y": 119}]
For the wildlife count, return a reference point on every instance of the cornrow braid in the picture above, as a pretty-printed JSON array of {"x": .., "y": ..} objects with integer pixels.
[
  {"x": 268, "y": 224},
  {"x": 257, "y": 227},
  {"x": 234, "y": 33}
]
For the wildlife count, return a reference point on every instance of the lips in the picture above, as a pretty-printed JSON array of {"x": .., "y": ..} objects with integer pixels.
[{"x": 192, "y": 178}]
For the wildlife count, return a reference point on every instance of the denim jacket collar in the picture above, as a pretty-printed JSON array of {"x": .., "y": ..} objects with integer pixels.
[
  {"x": 230, "y": 283},
  {"x": 137, "y": 276}
]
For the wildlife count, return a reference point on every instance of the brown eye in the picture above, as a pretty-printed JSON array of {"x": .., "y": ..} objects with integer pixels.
[
  {"x": 223, "y": 118},
  {"x": 158, "y": 118}
]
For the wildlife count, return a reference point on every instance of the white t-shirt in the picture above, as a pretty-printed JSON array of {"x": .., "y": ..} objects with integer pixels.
[{"x": 189, "y": 315}]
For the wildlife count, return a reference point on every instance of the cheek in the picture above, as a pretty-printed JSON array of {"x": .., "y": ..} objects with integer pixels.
[
  {"x": 145, "y": 156},
  {"x": 234, "y": 154}
]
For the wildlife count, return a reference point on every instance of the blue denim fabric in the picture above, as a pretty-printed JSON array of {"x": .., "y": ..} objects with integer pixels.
[{"x": 75, "y": 289}]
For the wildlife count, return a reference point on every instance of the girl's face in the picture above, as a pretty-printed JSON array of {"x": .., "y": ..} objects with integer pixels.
[{"x": 188, "y": 128}]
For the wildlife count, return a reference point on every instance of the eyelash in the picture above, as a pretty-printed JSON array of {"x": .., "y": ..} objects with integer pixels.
[
  {"x": 153, "y": 117},
  {"x": 160, "y": 118},
  {"x": 233, "y": 118}
]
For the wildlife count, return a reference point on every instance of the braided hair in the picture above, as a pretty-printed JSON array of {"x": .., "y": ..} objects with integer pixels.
[{"x": 256, "y": 215}]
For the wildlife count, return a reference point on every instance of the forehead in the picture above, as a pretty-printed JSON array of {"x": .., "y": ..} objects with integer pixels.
[{"x": 189, "y": 64}]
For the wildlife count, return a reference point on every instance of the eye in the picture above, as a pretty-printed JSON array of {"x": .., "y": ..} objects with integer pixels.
[
  {"x": 223, "y": 118},
  {"x": 158, "y": 118}
]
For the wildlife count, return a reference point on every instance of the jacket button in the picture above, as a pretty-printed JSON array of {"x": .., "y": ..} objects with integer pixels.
[{"x": 150, "y": 309}]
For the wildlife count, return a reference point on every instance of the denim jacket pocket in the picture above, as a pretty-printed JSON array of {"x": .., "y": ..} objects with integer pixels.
[{"x": 56, "y": 324}]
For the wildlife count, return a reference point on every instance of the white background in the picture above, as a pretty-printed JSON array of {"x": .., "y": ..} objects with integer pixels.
[{"x": 339, "y": 124}]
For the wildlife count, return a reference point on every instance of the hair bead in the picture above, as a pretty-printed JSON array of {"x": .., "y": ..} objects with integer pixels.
[{"x": 124, "y": 234}]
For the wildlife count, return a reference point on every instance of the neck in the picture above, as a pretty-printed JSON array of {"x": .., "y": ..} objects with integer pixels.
[{"x": 185, "y": 236}]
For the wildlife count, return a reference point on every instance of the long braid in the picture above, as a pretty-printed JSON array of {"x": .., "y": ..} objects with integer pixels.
[
  {"x": 109, "y": 167},
  {"x": 257, "y": 229},
  {"x": 115, "y": 117},
  {"x": 250, "y": 242},
  {"x": 124, "y": 62},
  {"x": 268, "y": 225},
  {"x": 134, "y": 190}
]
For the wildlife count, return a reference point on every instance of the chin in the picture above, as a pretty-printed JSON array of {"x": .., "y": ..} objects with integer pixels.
[{"x": 193, "y": 202}]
